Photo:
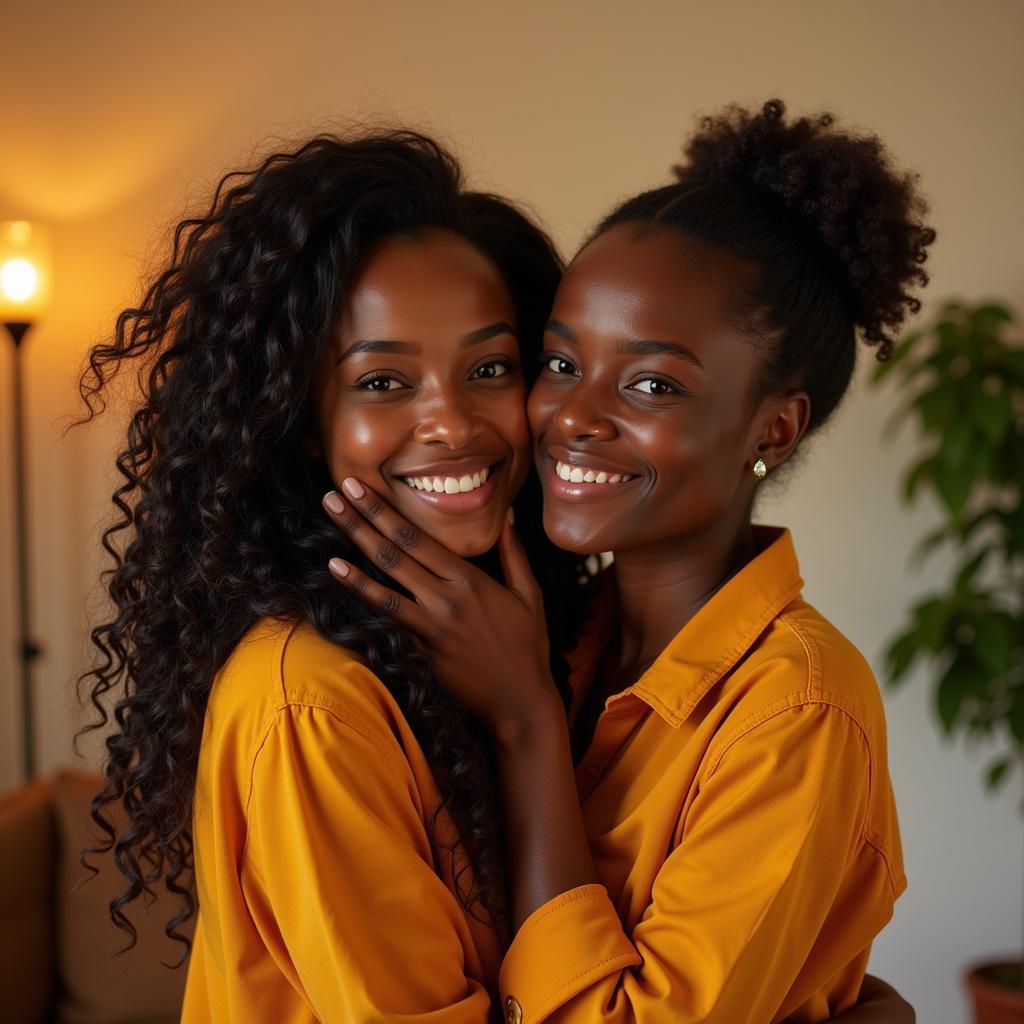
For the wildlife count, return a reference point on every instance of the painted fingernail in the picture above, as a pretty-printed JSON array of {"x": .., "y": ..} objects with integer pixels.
[
  {"x": 338, "y": 567},
  {"x": 333, "y": 501},
  {"x": 354, "y": 487}
]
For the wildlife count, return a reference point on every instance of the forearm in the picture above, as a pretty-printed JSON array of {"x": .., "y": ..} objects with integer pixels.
[{"x": 547, "y": 842}]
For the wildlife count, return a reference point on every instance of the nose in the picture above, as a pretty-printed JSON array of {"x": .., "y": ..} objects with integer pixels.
[
  {"x": 580, "y": 416},
  {"x": 448, "y": 418}
]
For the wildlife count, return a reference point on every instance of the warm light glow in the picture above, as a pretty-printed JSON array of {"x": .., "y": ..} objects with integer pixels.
[
  {"x": 24, "y": 271},
  {"x": 18, "y": 279}
]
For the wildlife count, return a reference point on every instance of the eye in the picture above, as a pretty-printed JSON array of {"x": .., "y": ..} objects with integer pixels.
[
  {"x": 488, "y": 371},
  {"x": 557, "y": 364},
  {"x": 380, "y": 382},
  {"x": 654, "y": 386}
]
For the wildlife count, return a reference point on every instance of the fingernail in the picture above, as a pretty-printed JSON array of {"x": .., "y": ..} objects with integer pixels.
[
  {"x": 333, "y": 501},
  {"x": 511, "y": 516},
  {"x": 338, "y": 567},
  {"x": 354, "y": 487}
]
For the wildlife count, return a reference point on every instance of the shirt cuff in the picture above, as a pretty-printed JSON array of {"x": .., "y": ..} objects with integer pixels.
[{"x": 563, "y": 947}]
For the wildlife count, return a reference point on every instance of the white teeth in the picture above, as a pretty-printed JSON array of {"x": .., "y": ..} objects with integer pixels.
[
  {"x": 576, "y": 475},
  {"x": 449, "y": 484}
]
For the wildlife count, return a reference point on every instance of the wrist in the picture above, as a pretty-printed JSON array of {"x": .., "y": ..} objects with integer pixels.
[{"x": 530, "y": 724}]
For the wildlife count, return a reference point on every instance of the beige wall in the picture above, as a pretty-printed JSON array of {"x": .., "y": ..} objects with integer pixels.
[{"x": 113, "y": 115}]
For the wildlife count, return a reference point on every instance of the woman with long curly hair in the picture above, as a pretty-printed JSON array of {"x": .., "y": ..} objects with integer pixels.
[
  {"x": 345, "y": 308},
  {"x": 713, "y": 837}
]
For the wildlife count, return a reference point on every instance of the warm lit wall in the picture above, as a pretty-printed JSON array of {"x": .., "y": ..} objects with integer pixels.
[{"x": 114, "y": 113}]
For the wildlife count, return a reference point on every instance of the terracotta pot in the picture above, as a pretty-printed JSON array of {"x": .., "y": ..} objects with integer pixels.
[{"x": 997, "y": 992}]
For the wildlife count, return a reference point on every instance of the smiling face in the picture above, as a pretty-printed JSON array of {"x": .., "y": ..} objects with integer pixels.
[
  {"x": 645, "y": 427},
  {"x": 420, "y": 393}
]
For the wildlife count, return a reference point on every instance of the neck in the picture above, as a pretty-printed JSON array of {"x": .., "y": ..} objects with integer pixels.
[{"x": 662, "y": 586}]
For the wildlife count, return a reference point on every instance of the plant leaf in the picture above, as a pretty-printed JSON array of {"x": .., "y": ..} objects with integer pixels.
[
  {"x": 997, "y": 772},
  {"x": 931, "y": 617},
  {"x": 923, "y": 470},
  {"x": 993, "y": 414},
  {"x": 993, "y": 642},
  {"x": 954, "y": 487},
  {"x": 901, "y": 654},
  {"x": 953, "y": 689},
  {"x": 1015, "y": 715},
  {"x": 970, "y": 568},
  {"x": 992, "y": 312}
]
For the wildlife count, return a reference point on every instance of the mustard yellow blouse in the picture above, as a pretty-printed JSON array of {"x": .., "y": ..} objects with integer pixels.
[
  {"x": 321, "y": 894},
  {"x": 739, "y": 809}
]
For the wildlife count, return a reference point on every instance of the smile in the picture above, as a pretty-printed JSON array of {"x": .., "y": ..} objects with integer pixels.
[
  {"x": 585, "y": 475},
  {"x": 449, "y": 484},
  {"x": 469, "y": 491}
]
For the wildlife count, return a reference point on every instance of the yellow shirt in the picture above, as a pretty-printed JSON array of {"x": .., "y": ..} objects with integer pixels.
[
  {"x": 739, "y": 809},
  {"x": 321, "y": 894}
]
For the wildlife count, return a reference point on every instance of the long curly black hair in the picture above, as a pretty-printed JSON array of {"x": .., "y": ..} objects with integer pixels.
[
  {"x": 833, "y": 232},
  {"x": 220, "y": 508}
]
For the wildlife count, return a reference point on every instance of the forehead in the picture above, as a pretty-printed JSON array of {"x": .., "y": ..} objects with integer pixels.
[
  {"x": 407, "y": 284},
  {"x": 646, "y": 281}
]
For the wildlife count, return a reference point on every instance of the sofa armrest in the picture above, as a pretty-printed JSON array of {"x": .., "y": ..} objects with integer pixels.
[{"x": 28, "y": 840}]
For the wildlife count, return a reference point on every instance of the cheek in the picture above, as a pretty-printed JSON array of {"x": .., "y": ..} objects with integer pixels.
[
  {"x": 540, "y": 409},
  {"x": 361, "y": 438}
]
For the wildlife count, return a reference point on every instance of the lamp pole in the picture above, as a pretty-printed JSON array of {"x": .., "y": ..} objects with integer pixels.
[{"x": 28, "y": 650}]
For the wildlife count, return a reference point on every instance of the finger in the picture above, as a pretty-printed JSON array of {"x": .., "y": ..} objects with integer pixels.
[
  {"x": 390, "y": 551},
  {"x": 382, "y": 599},
  {"x": 406, "y": 536},
  {"x": 515, "y": 565}
]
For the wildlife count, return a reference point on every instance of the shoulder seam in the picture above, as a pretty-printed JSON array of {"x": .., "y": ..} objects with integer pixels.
[
  {"x": 352, "y": 722},
  {"x": 797, "y": 701}
]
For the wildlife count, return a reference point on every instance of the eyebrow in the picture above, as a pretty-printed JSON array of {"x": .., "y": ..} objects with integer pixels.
[
  {"x": 641, "y": 346},
  {"x": 644, "y": 347},
  {"x": 412, "y": 348}
]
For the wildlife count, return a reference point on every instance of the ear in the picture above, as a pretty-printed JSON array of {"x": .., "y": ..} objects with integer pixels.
[{"x": 780, "y": 426}]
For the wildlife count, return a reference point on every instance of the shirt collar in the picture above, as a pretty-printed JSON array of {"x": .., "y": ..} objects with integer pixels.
[{"x": 722, "y": 631}]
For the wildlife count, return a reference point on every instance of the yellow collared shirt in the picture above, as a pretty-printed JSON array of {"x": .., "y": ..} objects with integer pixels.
[
  {"x": 739, "y": 809},
  {"x": 322, "y": 893}
]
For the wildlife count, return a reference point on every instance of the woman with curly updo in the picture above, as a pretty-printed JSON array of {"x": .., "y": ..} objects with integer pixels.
[{"x": 713, "y": 837}]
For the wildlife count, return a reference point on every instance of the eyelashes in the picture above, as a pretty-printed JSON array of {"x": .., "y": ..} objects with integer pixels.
[
  {"x": 384, "y": 382},
  {"x": 657, "y": 385}
]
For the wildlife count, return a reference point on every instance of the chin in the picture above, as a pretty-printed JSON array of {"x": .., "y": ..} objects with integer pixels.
[
  {"x": 465, "y": 543},
  {"x": 579, "y": 539}
]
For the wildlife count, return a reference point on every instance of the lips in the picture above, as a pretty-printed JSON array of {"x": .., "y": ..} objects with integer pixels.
[
  {"x": 579, "y": 477},
  {"x": 585, "y": 462},
  {"x": 456, "y": 486}
]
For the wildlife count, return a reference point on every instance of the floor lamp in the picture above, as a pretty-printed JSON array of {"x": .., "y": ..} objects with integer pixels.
[{"x": 24, "y": 291}]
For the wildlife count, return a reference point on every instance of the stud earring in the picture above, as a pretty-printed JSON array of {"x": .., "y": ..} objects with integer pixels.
[{"x": 760, "y": 469}]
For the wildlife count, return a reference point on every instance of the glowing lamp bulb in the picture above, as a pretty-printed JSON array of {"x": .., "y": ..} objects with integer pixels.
[
  {"x": 18, "y": 279},
  {"x": 25, "y": 283}
]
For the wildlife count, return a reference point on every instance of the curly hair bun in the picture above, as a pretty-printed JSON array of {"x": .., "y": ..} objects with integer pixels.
[{"x": 844, "y": 191}]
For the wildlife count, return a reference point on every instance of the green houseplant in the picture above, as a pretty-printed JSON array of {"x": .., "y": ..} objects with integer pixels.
[{"x": 962, "y": 380}]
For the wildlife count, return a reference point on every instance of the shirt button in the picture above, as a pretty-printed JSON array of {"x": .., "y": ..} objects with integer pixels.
[{"x": 513, "y": 1011}]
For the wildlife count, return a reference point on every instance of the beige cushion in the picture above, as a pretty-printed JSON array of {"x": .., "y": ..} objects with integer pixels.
[
  {"x": 27, "y": 841},
  {"x": 128, "y": 989}
]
